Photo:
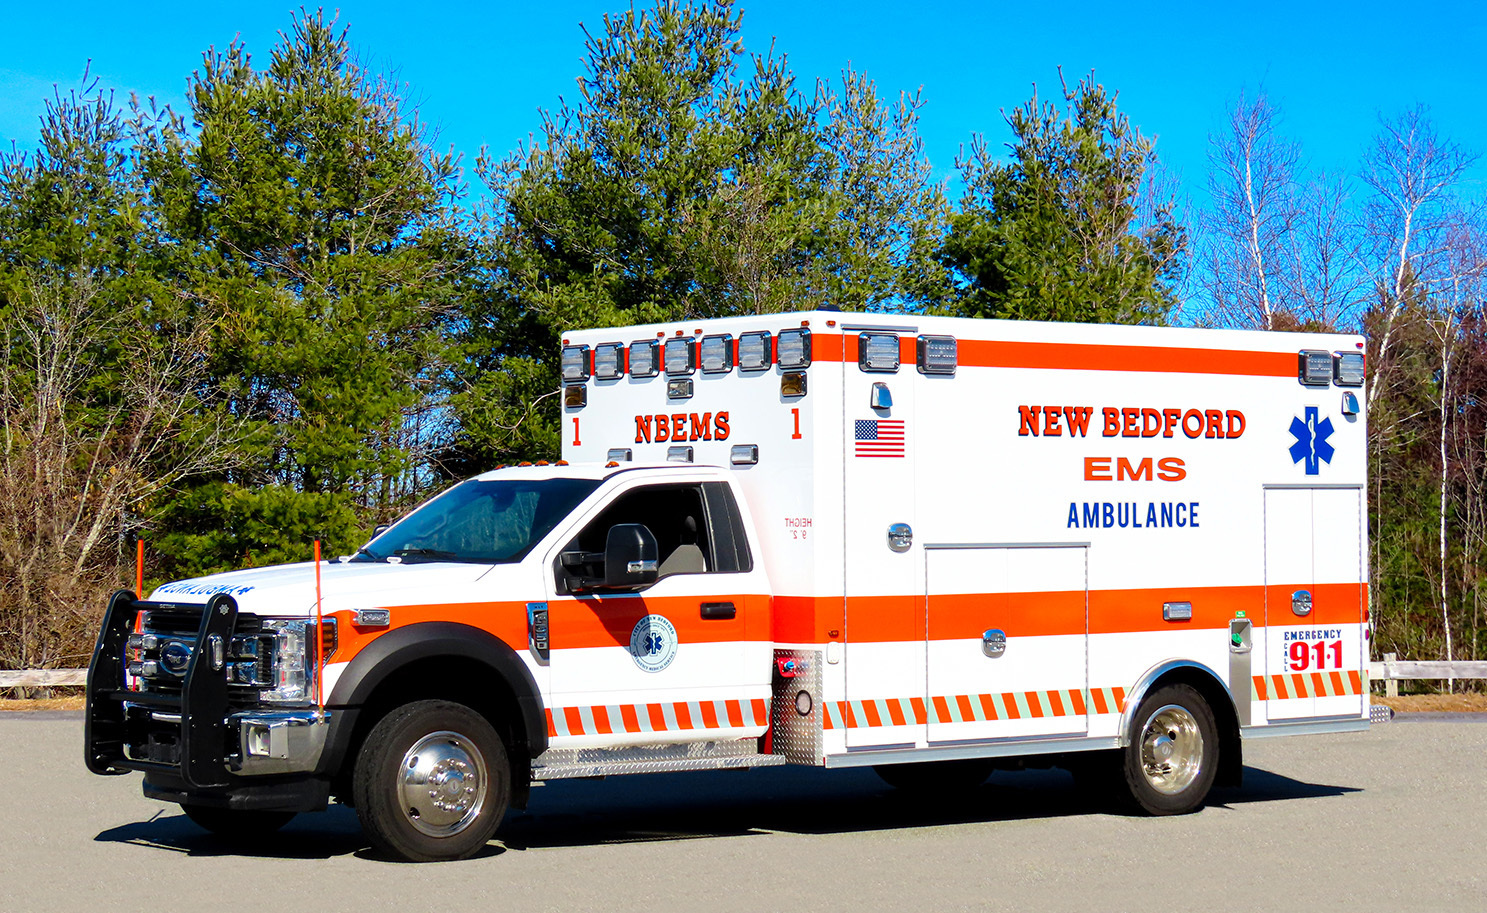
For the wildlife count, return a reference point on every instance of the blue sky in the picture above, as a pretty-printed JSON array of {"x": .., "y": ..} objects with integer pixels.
[{"x": 481, "y": 71}]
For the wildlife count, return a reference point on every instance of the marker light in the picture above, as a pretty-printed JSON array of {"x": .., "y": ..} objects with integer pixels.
[
  {"x": 754, "y": 351},
  {"x": 575, "y": 364},
  {"x": 935, "y": 354},
  {"x": 792, "y": 383},
  {"x": 618, "y": 455},
  {"x": 744, "y": 454},
  {"x": 717, "y": 354},
  {"x": 609, "y": 361},
  {"x": 575, "y": 396},
  {"x": 680, "y": 388},
  {"x": 643, "y": 358},
  {"x": 1315, "y": 368},
  {"x": 681, "y": 357},
  {"x": 877, "y": 352},
  {"x": 795, "y": 348},
  {"x": 1347, "y": 369},
  {"x": 678, "y": 454}
]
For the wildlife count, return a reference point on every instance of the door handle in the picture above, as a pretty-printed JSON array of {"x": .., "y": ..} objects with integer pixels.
[{"x": 723, "y": 610}]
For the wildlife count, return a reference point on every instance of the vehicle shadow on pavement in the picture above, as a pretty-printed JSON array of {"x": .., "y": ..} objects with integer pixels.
[
  {"x": 692, "y": 806},
  {"x": 811, "y": 801},
  {"x": 322, "y": 835}
]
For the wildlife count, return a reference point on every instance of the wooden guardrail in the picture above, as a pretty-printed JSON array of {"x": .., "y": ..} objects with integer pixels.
[{"x": 1391, "y": 671}]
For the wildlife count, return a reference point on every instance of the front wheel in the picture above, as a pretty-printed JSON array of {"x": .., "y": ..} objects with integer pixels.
[
  {"x": 1172, "y": 755},
  {"x": 432, "y": 782}
]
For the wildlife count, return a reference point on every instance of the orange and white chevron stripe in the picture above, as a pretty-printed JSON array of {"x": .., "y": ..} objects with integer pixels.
[
  {"x": 1308, "y": 684},
  {"x": 670, "y": 717},
  {"x": 967, "y": 708}
]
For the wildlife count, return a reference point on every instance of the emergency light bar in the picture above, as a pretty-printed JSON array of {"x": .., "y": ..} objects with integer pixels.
[
  {"x": 935, "y": 354},
  {"x": 754, "y": 351},
  {"x": 717, "y": 354},
  {"x": 795, "y": 348},
  {"x": 644, "y": 358},
  {"x": 1348, "y": 369},
  {"x": 1315, "y": 368},
  {"x": 681, "y": 356},
  {"x": 575, "y": 364},
  {"x": 609, "y": 361}
]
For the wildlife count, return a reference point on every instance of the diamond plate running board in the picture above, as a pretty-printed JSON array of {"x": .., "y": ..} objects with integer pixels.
[{"x": 559, "y": 764}]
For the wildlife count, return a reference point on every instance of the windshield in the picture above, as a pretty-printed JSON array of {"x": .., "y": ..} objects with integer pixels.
[{"x": 482, "y": 522}]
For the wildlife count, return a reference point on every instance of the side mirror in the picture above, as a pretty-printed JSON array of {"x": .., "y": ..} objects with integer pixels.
[
  {"x": 630, "y": 556},
  {"x": 380, "y": 529}
]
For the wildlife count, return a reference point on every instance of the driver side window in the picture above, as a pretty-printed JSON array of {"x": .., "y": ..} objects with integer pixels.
[{"x": 675, "y": 514}]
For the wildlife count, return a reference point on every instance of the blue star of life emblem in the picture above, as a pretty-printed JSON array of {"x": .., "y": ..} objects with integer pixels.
[{"x": 1311, "y": 441}]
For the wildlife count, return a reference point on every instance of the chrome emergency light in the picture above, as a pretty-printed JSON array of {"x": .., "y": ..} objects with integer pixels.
[
  {"x": 681, "y": 356},
  {"x": 1315, "y": 368},
  {"x": 618, "y": 455},
  {"x": 678, "y": 454},
  {"x": 877, "y": 352},
  {"x": 754, "y": 352},
  {"x": 1348, "y": 369},
  {"x": 609, "y": 361},
  {"x": 575, "y": 364},
  {"x": 795, "y": 348},
  {"x": 644, "y": 358},
  {"x": 744, "y": 454},
  {"x": 935, "y": 354},
  {"x": 717, "y": 354}
]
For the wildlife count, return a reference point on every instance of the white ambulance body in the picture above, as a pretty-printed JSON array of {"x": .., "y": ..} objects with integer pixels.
[
  {"x": 991, "y": 537},
  {"x": 818, "y": 538}
]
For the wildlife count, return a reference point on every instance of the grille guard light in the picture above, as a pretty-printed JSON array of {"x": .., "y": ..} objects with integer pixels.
[
  {"x": 754, "y": 351},
  {"x": 575, "y": 364},
  {"x": 794, "y": 348},
  {"x": 644, "y": 358}
]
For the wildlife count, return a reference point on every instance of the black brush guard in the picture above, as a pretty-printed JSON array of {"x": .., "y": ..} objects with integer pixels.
[{"x": 202, "y": 704}]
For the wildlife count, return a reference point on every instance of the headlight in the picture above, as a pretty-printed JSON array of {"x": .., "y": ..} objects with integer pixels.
[{"x": 292, "y": 674}]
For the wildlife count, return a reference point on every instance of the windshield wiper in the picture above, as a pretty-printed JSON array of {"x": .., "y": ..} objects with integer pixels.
[{"x": 432, "y": 554}]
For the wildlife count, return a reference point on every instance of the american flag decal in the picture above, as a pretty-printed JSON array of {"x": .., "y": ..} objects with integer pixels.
[{"x": 876, "y": 437}]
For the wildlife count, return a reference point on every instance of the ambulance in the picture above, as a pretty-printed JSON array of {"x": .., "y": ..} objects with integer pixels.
[{"x": 932, "y": 546}]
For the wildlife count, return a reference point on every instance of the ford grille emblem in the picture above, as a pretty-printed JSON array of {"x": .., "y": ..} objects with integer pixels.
[{"x": 175, "y": 657}]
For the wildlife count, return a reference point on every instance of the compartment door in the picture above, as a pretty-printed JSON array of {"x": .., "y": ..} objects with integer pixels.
[
  {"x": 1314, "y": 601},
  {"x": 1007, "y": 642},
  {"x": 884, "y": 588}
]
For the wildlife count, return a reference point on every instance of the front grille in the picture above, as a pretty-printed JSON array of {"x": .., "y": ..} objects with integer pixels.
[{"x": 171, "y": 633}]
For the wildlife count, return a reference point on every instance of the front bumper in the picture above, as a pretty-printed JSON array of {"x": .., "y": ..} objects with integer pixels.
[{"x": 194, "y": 746}]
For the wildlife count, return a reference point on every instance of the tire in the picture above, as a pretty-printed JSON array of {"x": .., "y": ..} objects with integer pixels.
[
  {"x": 236, "y": 823},
  {"x": 432, "y": 782},
  {"x": 936, "y": 776},
  {"x": 1173, "y": 752}
]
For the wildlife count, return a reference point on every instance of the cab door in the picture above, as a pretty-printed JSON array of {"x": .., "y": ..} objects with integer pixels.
[{"x": 684, "y": 659}]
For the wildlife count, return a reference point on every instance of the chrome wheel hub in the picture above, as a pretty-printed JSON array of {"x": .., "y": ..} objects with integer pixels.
[
  {"x": 1171, "y": 749},
  {"x": 442, "y": 783}
]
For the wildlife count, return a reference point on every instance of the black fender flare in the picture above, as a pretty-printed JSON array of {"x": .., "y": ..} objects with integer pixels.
[{"x": 426, "y": 640}]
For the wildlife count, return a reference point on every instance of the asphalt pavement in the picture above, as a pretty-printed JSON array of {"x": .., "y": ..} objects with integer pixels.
[{"x": 1392, "y": 819}]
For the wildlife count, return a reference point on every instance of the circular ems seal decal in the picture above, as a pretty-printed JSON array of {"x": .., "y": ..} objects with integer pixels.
[{"x": 653, "y": 643}]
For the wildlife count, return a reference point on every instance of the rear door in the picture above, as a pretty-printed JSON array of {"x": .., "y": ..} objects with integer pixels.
[{"x": 1314, "y": 603}]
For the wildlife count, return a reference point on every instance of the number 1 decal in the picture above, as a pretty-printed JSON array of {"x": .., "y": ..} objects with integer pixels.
[
  {"x": 796, "y": 435},
  {"x": 576, "y": 441}
]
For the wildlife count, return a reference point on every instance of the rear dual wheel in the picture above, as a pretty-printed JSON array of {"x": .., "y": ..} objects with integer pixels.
[{"x": 432, "y": 782}]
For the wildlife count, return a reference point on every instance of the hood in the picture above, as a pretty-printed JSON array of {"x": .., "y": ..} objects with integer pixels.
[{"x": 289, "y": 589}]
